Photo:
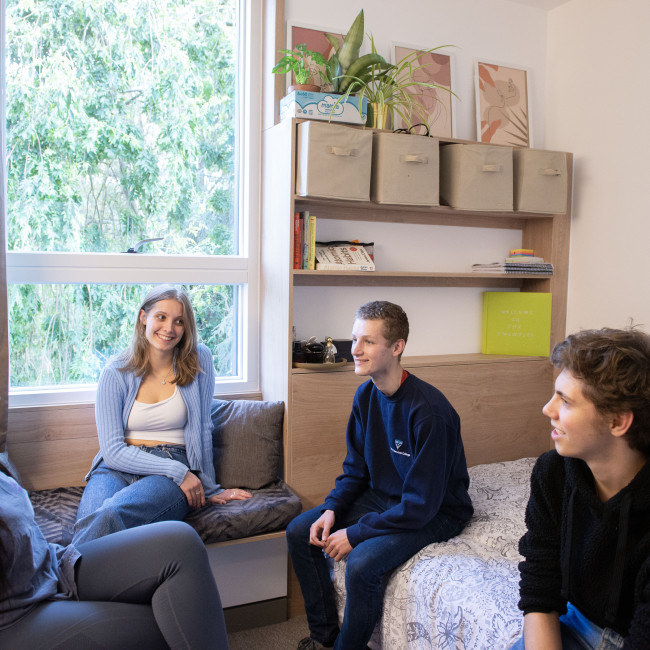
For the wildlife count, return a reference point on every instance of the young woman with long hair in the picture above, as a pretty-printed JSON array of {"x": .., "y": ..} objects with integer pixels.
[{"x": 153, "y": 420}]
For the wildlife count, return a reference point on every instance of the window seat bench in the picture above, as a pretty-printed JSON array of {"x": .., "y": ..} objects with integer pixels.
[{"x": 245, "y": 539}]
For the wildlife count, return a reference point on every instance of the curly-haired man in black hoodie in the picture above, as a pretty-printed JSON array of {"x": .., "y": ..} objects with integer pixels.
[{"x": 585, "y": 578}]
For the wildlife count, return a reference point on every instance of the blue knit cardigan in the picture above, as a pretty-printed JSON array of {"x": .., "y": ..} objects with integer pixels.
[{"x": 116, "y": 393}]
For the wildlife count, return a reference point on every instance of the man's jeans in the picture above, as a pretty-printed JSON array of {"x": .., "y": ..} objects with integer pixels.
[
  {"x": 366, "y": 566},
  {"x": 579, "y": 633},
  {"x": 116, "y": 500}
]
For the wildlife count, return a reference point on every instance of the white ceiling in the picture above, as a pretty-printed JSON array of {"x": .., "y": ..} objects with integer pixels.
[{"x": 542, "y": 4}]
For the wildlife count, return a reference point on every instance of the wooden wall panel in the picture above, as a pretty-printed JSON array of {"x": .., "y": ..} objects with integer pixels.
[
  {"x": 52, "y": 446},
  {"x": 500, "y": 406}
]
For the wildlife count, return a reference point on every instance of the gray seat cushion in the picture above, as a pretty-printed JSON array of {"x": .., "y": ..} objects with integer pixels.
[
  {"x": 55, "y": 512},
  {"x": 270, "y": 509}
]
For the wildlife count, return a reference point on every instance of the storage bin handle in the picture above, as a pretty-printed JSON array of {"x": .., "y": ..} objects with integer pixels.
[
  {"x": 414, "y": 157},
  {"x": 549, "y": 172},
  {"x": 343, "y": 151},
  {"x": 493, "y": 167}
]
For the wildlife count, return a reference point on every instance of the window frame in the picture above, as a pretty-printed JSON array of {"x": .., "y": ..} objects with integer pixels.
[{"x": 107, "y": 268}]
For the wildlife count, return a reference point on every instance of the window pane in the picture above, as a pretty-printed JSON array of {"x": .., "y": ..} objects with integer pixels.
[
  {"x": 64, "y": 333},
  {"x": 121, "y": 125}
]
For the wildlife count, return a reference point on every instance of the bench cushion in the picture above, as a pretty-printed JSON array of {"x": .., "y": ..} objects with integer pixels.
[
  {"x": 270, "y": 509},
  {"x": 247, "y": 442}
]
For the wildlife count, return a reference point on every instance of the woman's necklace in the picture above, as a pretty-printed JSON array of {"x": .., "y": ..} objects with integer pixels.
[{"x": 164, "y": 381}]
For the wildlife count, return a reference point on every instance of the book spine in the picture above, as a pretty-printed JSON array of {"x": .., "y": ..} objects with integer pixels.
[
  {"x": 484, "y": 344},
  {"x": 305, "y": 238},
  {"x": 297, "y": 241},
  {"x": 311, "y": 255}
]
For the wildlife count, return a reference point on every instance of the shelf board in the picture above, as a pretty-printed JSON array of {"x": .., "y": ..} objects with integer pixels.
[
  {"x": 438, "y": 360},
  {"x": 303, "y": 278},
  {"x": 434, "y": 215}
]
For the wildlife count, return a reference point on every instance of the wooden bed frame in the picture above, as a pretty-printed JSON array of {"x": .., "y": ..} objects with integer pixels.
[{"x": 499, "y": 400}]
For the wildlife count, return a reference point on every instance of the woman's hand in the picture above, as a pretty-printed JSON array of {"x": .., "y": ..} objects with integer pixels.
[
  {"x": 234, "y": 494},
  {"x": 193, "y": 490}
]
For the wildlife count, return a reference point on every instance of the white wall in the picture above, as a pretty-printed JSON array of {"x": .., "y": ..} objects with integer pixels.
[
  {"x": 443, "y": 320},
  {"x": 496, "y": 30},
  {"x": 599, "y": 108}
]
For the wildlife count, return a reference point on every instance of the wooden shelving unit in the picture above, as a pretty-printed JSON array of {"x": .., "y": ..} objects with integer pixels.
[
  {"x": 494, "y": 395},
  {"x": 548, "y": 234}
]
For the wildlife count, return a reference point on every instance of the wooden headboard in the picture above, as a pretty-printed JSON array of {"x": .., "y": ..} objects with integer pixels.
[{"x": 499, "y": 400}]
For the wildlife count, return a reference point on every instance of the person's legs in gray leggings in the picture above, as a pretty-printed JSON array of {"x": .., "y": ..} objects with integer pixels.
[{"x": 144, "y": 588}]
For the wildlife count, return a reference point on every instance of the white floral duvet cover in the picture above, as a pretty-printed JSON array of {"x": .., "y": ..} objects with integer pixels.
[{"x": 461, "y": 594}]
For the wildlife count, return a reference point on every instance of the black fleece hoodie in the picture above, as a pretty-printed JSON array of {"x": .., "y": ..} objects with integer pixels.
[{"x": 595, "y": 555}]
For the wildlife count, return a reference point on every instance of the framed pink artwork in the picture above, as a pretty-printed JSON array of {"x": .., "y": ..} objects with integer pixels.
[
  {"x": 502, "y": 106},
  {"x": 433, "y": 68}
]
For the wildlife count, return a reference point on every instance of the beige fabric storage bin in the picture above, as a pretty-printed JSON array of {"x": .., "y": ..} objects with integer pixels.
[
  {"x": 405, "y": 169},
  {"x": 476, "y": 177},
  {"x": 540, "y": 179},
  {"x": 333, "y": 161}
]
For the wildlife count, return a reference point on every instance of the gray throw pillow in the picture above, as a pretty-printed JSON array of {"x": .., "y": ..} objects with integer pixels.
[{"x": 247, "y": 442}]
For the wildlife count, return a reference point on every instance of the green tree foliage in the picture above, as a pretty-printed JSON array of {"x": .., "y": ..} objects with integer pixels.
[
  {"x": 120, "y": 127},
  {"x": 65, "y": 333}
]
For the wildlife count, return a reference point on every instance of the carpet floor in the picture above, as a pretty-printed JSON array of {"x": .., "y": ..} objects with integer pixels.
[{"x": 279, "y": 636}]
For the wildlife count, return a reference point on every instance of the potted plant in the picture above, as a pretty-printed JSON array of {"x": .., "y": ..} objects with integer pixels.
[
  {"x": 345, "y": 60},
  {"x": 392, "y": 89},
  {"x": 305, "y": 64}
]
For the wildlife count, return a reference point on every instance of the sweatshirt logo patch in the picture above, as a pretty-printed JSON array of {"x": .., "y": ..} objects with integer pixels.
[{"x": 398, "y": 445}]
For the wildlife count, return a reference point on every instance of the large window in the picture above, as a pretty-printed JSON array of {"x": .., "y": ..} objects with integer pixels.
[{"x": 126, "y": 121}]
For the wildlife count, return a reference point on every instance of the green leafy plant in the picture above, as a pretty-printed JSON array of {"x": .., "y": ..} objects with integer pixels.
[
  {"x": 345, "y": 64},
  {"x": 303, "y": 62},
  {"x": 392, "y": 88}
]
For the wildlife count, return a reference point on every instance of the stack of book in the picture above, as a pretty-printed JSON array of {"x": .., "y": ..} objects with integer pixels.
[
  {"x": 309, "y": 254},
  {"x": 520, "y": 260},
  {"x": 344, "y": 256},
  {"x": 304, "y": 240}
]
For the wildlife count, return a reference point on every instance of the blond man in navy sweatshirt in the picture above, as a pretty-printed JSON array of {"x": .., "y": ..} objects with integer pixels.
[{"x": 404, "y": 486}]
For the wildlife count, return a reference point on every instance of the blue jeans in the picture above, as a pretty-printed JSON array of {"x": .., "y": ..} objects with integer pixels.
[
  {"x": 115, "y": 500},
  {"x": 366, "y": 566},
  {"x": 579, "y": 633}
]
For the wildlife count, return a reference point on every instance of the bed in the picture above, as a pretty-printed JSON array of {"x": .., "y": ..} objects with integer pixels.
[{"x": 461, "y": 594}]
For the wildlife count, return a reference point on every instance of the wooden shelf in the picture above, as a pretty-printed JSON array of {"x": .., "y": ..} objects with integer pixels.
[
  {"x": 435, "y": 360},
  {"x": 424, "y": 215},
  {"x": 499, "y": 398},
  {"x": 303, "y": 278}
]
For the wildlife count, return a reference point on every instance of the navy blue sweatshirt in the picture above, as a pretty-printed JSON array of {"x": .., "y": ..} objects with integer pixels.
[{"x": 405, "y": 446}]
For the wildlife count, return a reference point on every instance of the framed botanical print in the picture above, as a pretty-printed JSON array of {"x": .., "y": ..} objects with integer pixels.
[{"x": 502, "y": 104}]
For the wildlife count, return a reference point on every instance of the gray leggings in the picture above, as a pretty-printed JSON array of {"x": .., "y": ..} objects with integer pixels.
[{"x": 144, "y": 588}]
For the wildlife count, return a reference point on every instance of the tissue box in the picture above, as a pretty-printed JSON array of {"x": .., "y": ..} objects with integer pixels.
[{"x": 322, "y": 106}]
